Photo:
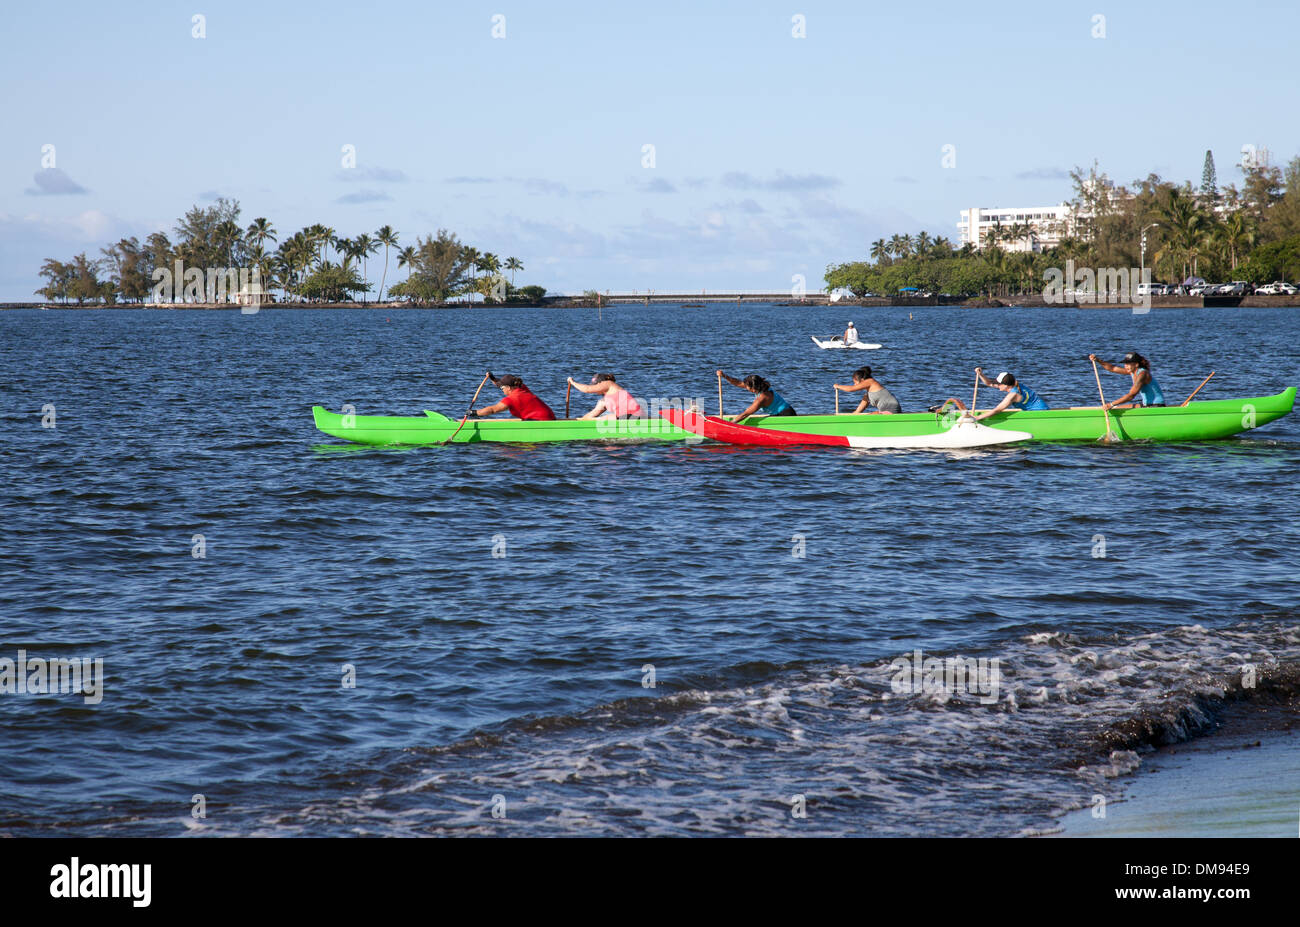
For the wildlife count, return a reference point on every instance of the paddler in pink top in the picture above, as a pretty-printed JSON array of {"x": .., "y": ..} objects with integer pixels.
[{"x": 615, "y": 402}]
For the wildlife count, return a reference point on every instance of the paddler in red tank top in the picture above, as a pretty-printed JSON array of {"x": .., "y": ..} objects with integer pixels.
[{"x": 519, "y": 400}]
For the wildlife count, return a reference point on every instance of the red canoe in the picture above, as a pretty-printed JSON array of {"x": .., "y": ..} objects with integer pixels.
[
  {"x": 963, "y": 433},
  {"x": 718, "y": 429}
]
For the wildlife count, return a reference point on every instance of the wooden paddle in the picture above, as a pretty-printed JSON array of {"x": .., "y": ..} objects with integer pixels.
[
  {"x": 1109, "y": 437},
  {"x": 719, "y": 395},
  {"x": 976, "y": 394},
  {"x": 567, "y": 387},
  {"x": 1198, "y": 389},
  {"x": 837, "y": 401},
  {"x": 469, "y": 410}
]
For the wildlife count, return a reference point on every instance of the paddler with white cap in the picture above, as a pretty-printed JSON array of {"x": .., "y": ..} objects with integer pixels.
[{"x": 1019, "y": 397}]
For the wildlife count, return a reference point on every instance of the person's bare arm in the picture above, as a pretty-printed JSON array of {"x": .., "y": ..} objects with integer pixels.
[
  {"x": 979, "y": 372},
  {"x": 584, "y": 388},
  {"x": 1006, "y": 401},
  {"x": 490, "y": 410},
  {"x": 1138, "y": 382},
  {"x": 852, "y": 389},
  {"x": 1106, "y": 365},
  {"x": 600, "y": 407},
  {"x": 753, "y": 407}
]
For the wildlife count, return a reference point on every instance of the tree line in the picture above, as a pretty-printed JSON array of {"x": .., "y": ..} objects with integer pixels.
[
  {"x": 438, "y": 267},
  {"x": 1250, "y": 233}
]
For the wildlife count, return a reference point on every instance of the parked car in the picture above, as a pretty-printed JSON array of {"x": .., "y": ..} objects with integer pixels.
[
  {"x": 1151, "y": 289},
  {"x": 1202, "y": 289},
  {"x": 1277, "y": 288},
  {"x": 1235, "y": 288}
]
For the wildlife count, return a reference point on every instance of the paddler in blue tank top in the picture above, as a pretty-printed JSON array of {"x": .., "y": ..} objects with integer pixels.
[
  {"x": 766, "y": 400},
  {"x": 1144, "y": 392},
  {"x": 1018, "y": 398}
]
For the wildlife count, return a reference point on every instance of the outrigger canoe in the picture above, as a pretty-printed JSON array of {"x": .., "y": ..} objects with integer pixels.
[
  {"x": 1197, "y": 421},
  {"x": 963, "y": 432}
]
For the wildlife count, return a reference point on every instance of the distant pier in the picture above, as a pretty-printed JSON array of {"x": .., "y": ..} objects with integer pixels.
[{"x": 706, "y": 296}]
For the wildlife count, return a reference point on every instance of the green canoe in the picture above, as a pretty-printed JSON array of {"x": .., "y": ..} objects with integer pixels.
[{"x": 1197, "y": 421}]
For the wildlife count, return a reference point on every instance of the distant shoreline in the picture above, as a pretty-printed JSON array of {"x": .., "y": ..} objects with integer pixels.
[{"x": 872, "y": 302}]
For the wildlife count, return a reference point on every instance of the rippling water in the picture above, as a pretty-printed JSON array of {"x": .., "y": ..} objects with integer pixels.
[{"x": 526, "y": 676}]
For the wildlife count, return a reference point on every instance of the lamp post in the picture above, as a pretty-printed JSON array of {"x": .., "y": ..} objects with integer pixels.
[{"x": 1143, "y": 257}]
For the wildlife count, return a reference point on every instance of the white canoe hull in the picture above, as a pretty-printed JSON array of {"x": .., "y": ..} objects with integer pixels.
[
  {"x": 861, "y": 345},
  {"x": 961, "y": 435}
]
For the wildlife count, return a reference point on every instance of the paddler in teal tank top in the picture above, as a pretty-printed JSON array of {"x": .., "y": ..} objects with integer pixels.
[
  {"x": 1018, "y": 398},
  {"x": 766, "y": 400},
  {"x": 1145, "y": 390}
]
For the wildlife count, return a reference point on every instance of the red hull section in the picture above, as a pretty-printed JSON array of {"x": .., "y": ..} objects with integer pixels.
[{"x": 717, "y": 429}]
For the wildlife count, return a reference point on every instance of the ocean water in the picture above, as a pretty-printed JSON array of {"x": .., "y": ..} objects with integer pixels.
[{"x": 617, "y": 639}]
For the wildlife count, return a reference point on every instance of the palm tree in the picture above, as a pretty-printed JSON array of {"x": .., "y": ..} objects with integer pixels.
[
  {"x": 941, "y": 246},
  {"x": 491, "y": 265},
  {"x": 302, "y": 251},
  {"x": 512, "y": 265},
  {"x": 350, "y": 250},
  {"x": 388, "y": 238},
  {"x": 228, "y": 235},
  {"x": 896, "y": 246},
  {"x": 259, "y": 259},
  {"x": 880, "y": 250},
  {"x": 260, "y": 231},
  {"x": 471, "y": 256},
  {"x": 997, "y": 260},
  {"x": 365, "y": 246},
  {"x": 1236, "y": 234},
  {"x": 317, "y": 234},
  {"x": 908, "y": 242},
  {"x": 1186, "y": 225},
  {"x": 284, "y": 267},
  {"x": 408, "y": 257},
  {"x": 923, "y": 243},
  {"x": 326, "y": 239}
]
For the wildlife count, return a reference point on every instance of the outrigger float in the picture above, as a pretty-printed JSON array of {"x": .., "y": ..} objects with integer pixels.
[{"x": 1196, "y": 421}]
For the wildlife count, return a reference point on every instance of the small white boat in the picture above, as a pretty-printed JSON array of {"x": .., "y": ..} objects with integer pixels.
[{"x": 838, "y": 342}]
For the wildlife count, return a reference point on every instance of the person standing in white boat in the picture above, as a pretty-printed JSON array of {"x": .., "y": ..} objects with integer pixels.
[{"x": 850, "y": 335}]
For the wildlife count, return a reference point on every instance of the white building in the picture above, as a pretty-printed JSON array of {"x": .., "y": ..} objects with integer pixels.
[{"x": 1047, "y": 226}]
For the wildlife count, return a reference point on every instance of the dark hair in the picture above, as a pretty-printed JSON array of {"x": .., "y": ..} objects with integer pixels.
[
  {"x": 1133, "y": 357},
  {"x": 862, "y": 373},
  {"x": 1010, "y": 379},
  {"x": 602, "y": 377},
  {"x": 757, "y": 383}
]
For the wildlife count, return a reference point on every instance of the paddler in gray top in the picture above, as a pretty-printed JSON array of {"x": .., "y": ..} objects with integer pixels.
[{"x": 877, "y": 395}]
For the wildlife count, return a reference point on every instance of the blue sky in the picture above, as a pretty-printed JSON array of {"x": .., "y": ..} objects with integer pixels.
[{"x": 774, "y": 155}]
